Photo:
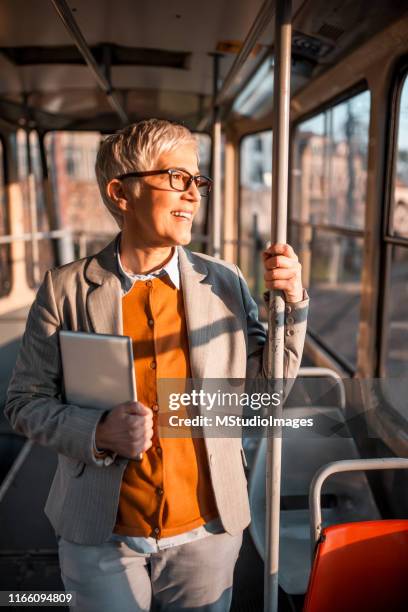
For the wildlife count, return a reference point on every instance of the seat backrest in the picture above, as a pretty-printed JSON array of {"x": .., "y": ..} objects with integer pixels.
[{"x": 360, "y": 567}]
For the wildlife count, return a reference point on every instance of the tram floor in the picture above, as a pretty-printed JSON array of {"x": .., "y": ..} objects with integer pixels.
[{"x": 248, "y": 583}]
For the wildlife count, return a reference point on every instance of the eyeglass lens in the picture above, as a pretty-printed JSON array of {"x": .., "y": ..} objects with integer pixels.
[{"x": 181, "y": 181}]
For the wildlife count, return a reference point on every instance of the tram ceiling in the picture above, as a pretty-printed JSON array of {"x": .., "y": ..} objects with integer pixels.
[{"x": 155, "y": 56}]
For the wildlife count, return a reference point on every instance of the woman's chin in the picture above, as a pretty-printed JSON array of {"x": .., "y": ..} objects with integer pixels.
[{"x": 182, "y": 238}]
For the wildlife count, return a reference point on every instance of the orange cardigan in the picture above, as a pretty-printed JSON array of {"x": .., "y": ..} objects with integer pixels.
[{"x": 169, "y": 491}]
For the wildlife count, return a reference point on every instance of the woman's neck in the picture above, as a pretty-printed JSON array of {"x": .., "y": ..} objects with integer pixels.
[{"x": 142, "y": 260}]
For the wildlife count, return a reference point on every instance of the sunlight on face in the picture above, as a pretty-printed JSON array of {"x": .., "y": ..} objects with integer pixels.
[{"x": 161, "y": 216}]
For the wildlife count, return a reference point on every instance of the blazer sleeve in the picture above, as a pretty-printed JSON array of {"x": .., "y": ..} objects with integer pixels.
[
  {"x": 34, "y": 406},
  {"x": 295, "y": 322}
]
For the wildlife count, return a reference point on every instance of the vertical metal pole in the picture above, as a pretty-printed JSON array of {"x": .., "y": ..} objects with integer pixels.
[
  {"x": 82, "y": 245},
  {"x": 280, "y": 161},
  {"x": 58, "y": 186},
  {"x": 216, "y": 166},
  {"x": 48, "y": 198},
  {"x": 256, "y": 257},
  {"x": 32, "y": 202}
]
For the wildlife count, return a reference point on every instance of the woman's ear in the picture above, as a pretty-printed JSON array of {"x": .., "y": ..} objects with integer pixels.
[{"x": 116, "y": 194}]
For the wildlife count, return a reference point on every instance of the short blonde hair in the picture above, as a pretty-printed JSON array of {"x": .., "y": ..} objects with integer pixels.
[{"x": 136, "y": 148}]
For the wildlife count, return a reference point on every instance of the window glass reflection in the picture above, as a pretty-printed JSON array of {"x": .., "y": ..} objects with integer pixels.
[
  {"x": 397, "y": 324},
  {"x": 329, "y": 178},
  {"x": 71, "y": 160},
  {"x": 199, "y": 226},
  {"x": 335, "y": 269},
  {"x": 400, "y": 214},
  {"x": 330, "y": 165},
  {"x": 39, "y": 254}
]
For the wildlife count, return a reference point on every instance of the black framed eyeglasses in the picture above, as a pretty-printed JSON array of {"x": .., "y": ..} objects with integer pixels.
[{"x": 180, "y": 179}]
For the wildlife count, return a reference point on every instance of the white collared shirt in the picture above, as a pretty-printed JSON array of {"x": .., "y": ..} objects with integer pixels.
[{"x": 171, "y": 269}]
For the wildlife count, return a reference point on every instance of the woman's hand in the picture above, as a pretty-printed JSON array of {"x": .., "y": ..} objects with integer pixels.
[
  {"x": 283, "y": 271},
  {"x": 127, "y": 430}
]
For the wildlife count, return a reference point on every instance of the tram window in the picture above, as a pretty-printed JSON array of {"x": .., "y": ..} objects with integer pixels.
[
  {"x": 329, "y": 178},
  {"x": 397, "y": 320},
  {"x": 396, "y": 350},
  {"x": 330, "y": 165},
  {"x": 204, "y": 148},
  {"x": 199, "y": 236},
  {"x": 5, "y": 271},
  {"x": 400, "y": 191},
  {"x": 71, "y": 161},
  {"x": 38, "y": 251},
  {"x": 335, "y": 287},
  {"x": 255, "y": 100},
  {"x": 255, "y": 206},
  {"x": 43, "y": 222}
]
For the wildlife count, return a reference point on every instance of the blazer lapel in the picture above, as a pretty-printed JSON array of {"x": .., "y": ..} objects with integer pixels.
[
  {"x": 104, "y": 302},
  {"x": 197, "y": 306},
  {"x": 105, "y": 308}
]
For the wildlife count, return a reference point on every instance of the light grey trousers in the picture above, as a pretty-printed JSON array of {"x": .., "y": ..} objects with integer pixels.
[{"x": 111, "y": 577}]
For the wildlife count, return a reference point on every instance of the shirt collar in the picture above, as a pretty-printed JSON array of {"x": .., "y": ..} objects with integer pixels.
[{"x": 171, "y": 269}]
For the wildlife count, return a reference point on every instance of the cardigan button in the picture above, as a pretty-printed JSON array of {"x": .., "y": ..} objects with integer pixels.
[
  {"x": 155, "y": 407},
  {"x": 159, "y": 491},
  {"x": 156, "y": 530},
  {"x": 153, "y": 365},
  {"x": 149, "y": 283},
  {"x": 151, "y": 322}
]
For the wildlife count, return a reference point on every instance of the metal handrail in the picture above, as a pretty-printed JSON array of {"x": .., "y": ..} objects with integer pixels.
[
  {"x": 335, "y": 467},
  {"x": 317, "y": 372},
  {"x": 75, "y": 33},
  {"x": 15, "y": 468},
  {"x": 10, "y": 238}
]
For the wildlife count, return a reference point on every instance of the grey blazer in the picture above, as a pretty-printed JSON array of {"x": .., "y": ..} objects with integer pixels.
[{"x": 85, "y": 295}]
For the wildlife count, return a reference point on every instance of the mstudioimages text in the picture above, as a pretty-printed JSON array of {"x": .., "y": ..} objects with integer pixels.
[
  {"x": 223, "y": 399},
  {"x": 230, "y": 420}
]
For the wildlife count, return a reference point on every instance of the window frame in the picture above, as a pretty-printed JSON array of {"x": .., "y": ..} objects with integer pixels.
[{"x": 388, "y": 240}]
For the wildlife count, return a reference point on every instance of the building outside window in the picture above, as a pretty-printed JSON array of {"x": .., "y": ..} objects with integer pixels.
[
  {"x": 255, "y": 209},
  {"x": 395, "y": 331},
  {"x": 329, "y": 178}
]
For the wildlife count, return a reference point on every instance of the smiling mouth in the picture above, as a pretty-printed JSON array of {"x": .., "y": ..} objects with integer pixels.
[{"x": 181, "y": 214}]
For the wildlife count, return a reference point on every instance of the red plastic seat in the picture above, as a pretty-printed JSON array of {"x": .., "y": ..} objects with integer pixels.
[{"x": 360, "y": 567}]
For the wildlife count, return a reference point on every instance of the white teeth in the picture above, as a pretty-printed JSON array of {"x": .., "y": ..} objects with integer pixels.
[{"x": 186, "y": 215}]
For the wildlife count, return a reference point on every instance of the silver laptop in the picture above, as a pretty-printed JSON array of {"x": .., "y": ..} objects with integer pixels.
[{"x": 98, "y": 369}]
